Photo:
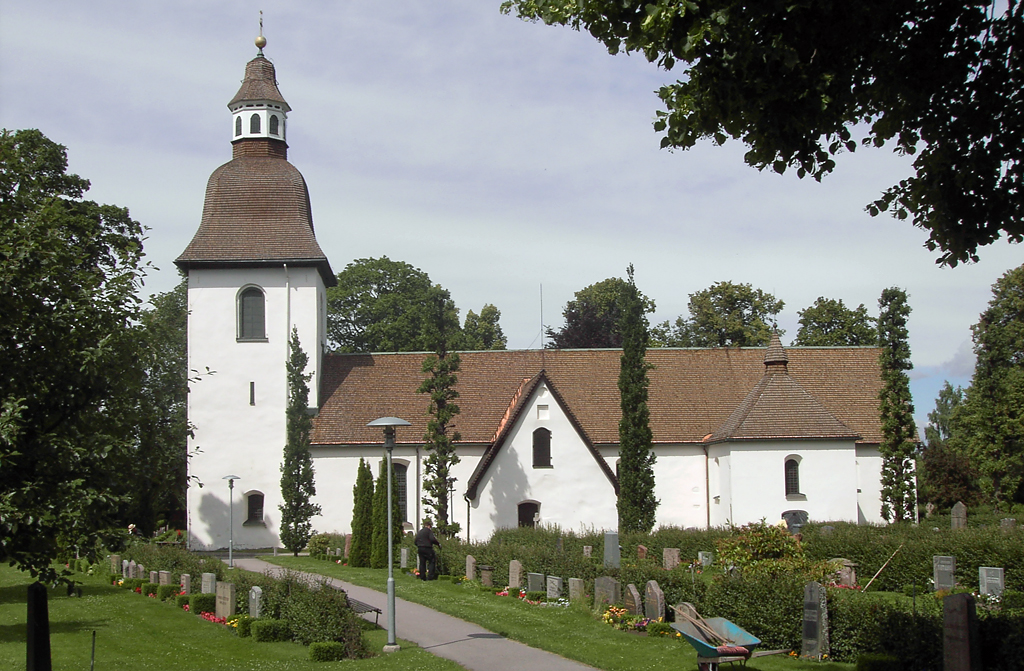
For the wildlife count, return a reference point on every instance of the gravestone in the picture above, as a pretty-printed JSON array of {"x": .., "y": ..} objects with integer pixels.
[
  {"x": 654, "y": 601},
  {"x": 404, "y": 562},
  {"x": 606, "y": 591},
  {"x": 554, "y": 587},
  {"x": 960, "y": 644},
  {"x": 535, "y": 582},
  {"x": 255, "y": 601},
  {"x": 641, "y": 552},
  {"x": 348, "y": 544},
  {"x": 588, "y": 550},
  {"x": 186, "y": 583},
  {"x": 670, "y": 558},
  {"x": 131, "y": 569},
  {"x": 154, "y": 577},
  {"x": 140, "y": 572},
  {"x": 515, "y": 574},
  {"x": 115, "y": 564},
  {"x": 826, "y": 530},
  {"x": 847, "y": 572},
  {"x": 959, "y": 516},
  {"x": 125, "y": 569},
  {"x": 815, "y": 634},
  {"x": 337, "y": 552},
  {"x": 225, "y": 599},
  {"x": 632, "y": 601},
  {"x": 487, "y": 576},
  {"x": 576, "y": 589},
  {"x": 165, "y": 578},
  {"x": 944, "y": 572},
  {"x": 470, "y": 567},
  {"x": 209, "y": 585},
  {"x": 1007, "y": 523},
  {"x": 991, "y": 580},
  {"x": 612, "y": 557},
  {"x": 706, "y": 559}
]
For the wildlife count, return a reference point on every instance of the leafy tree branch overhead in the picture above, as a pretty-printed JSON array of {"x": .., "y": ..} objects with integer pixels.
[{"x": 938, "y": 80}]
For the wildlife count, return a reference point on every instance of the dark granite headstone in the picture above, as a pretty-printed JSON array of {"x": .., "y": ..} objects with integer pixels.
[
  {"x": 944, "y": 572},
  {"x": 612, "y": 556},
  {"x": 815, "y": 633},
  {"x": 991, "y": 580},
  {"x": 631, "y": 600},
  {"x": 535, "y": 582},
  {"x": 670, "y": 558},
  {"x": 654, "y": 601},
  {"x": 959, "y": 516},
  {"x": 606, "y": 591},
  {"x": 515, "y": 574},
  {"x": 960, "y": 644},
  {"x": 554, "y": 586}
]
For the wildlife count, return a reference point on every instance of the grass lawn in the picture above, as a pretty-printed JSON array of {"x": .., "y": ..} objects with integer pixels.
[
  {"x": 136, "y": 632},
  {"x": 572, "y": 632}
]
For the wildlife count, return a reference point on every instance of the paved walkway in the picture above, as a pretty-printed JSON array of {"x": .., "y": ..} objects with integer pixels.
[{"x": 465, "y": 643}]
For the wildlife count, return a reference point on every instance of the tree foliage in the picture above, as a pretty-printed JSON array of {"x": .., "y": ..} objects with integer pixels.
[
  {"x": 483, "y": 331},
  {"x": 636, "y": 503},
  {"x": 723, "y": 315},
  {"x": 896, "y": 409},
  {"x": 829, "y": 323},
  {"x": 441, "y": 369},
  {"x": 945, "y": 472},
  {"x": 936, "y": 80},
  {"x": 69, "y": 273},
  {"x": 379, "y": 551},
  {"x": 362, "y": 517},
  {"x": 297, "y": 481},
  {"x": 593, "y": 318}
]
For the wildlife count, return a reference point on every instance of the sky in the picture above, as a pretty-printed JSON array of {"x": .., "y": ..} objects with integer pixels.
[{"x": 514, "y": 162}]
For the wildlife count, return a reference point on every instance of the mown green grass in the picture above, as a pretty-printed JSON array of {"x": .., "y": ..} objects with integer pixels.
[
  {"x": 574, "y": 632},
  {"x": 136, "y": 632}
]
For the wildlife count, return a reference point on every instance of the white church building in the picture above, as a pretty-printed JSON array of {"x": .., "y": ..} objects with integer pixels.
[{"x": 740, "y": 434}]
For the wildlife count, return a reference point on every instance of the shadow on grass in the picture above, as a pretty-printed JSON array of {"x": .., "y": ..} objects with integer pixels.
[
  {"x": 15, "y": 633},
  {"x": 14, "y": 594}
]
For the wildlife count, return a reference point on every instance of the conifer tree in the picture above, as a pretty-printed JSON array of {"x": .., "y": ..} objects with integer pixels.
[
  {"x": 379, "y": 551},
  {"x": 297, "y": 486},
  {"x": 636, "y": 504},
  {"x": 362, "y": 517},
  {"x": 899, "y": 435}
]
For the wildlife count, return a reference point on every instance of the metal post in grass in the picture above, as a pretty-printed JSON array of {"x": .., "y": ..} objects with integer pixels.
[
  {"x": 389, "y": 424},
  {"x": 231, "y": 518}
]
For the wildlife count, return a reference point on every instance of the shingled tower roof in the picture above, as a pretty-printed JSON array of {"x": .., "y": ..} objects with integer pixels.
[{"x": 257, "y": 211}]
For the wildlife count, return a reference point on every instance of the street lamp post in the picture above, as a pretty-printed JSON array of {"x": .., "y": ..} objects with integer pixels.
[
  {"x": 389, "y": 424},
  {"x": 231, "y": 518}
]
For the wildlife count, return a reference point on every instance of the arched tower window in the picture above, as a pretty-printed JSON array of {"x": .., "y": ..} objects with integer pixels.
[
  {"x": 273, "y": 124},
  {"x": 792, "y": 477},
  {"x": 529, "y": 512},
  {"x": 238, "y": 126},
  {"x": 401, "y": 473},
  {"x": 251, "y": 315},
  {"x": 542, "y": 448},
  {"x": 254, "y": 123},
  {"x": 254, "y": 503}
]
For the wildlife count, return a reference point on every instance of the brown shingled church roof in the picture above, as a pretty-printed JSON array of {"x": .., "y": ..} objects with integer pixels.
[
  {"x": 693, "y": 391},
  {"x": 260, "y": 83}
]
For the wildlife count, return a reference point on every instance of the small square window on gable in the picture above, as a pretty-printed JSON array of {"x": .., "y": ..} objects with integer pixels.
[{"x": 543, "y": 412}]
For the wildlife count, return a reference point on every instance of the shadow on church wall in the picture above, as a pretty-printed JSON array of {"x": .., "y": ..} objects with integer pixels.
[{"x": 509, "y": 487}]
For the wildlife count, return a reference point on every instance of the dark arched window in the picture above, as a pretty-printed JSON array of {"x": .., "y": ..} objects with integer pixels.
[
  {"x": 254, "y": 123},
  {"x": 792, "y": 477},
  {"x": 528, "y": 513},
  {"x": 273, "y": 124},
  {"x": 401, "y": 472},
  {"x": 542, "y": 448},
  {"x": 255, "y": 505},
  {"x": 238, "y": 126},
  {"x": 251, "y": 315}
]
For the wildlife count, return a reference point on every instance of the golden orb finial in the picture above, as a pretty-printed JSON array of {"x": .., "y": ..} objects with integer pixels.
[{"x": 261, "y": 42}]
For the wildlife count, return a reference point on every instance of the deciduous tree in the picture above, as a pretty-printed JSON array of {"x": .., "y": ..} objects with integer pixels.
[
  {"x": 297, "y": 480},
  {"x": 796, "y": 82},
  {"x": 723, "y": 315},
  {"x": 896, "y": 409},
  {"x": 483, "y": 331},
  {"x": 829, "y": 323},
  {"x": 592, "y": 318},
  {"x": 945, "y": 473}
]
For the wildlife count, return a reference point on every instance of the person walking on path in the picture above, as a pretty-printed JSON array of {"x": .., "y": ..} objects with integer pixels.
[{"x": 425, "y": 542}]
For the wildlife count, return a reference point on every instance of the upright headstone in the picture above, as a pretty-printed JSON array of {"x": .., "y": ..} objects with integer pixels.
[
  {"x": 612, "y": 557},
  {"x": 225, "y": 599},
  {"x": 588, "y": 550},
  {"x": 654, "y": 601},
  {"x": 337, "y": 552},
  {"x": 959, "y": 516},
  {"x": 535, "y": 582},
  {"x": 486, "y": 576},
  {"x": 470, "y": 567},
  {"x": 209, "y": 583},
  {"x": 140, "y": 572},
  {"x": 606, "y": 591},
  {"x": 991, "y": 580},
  {"x": 186, "y": 583},
  {"x": 164, "y": 577},
  {"x": 115, "y": 564},
  {"x": 348, "y": 544},
  {"x": 126, "y": 569},
  {"x": 706, "y": 559},
  {"x": 1007, "y": 523},
  {"x": 670, "y": 558},
  {"x": 826, "y": 530},
  {"x": 131, "y": 569},
  {"x": 404, "y": 562},
  {"x": 960, "y": 644},
  {"x": 944, "y": 572},
  {"x": 576, "y": 589},
  {"x": 515, "y": 574},
  {"x": 815, "y": 634},
  {"x": 555, "y": 586},
  {"x": 154, "y": 577},
  {"x": 255, "y": 601},
  {"x": 847, "y": 572},
  {"x": 38, "y": 633},
  {"x": 641, "y": 552},
  {"x": 631, "y": 600}
]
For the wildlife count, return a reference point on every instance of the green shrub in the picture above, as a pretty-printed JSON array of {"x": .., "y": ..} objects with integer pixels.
[
  {"x": 176, "y": 559},
  {"x": 320, "y": 615},
  {"x": 270, "y": 631},
  {"x": 244, "y": 626},
  {"x": 182, "y": 600},
  {"x": 202, "y": 603},
  {"x": 165, "y": 592},
  {"x": 536, "y": 595},
  {"x": 327, "y": 651},
  {"x": 870, "y": 661},
  {"x": 1013, "y": 599},
  {"x": 488, "y": 590},
  {"x": 133, "y": 584},
  {"x": 150, "y": 588},
  {"x": 660, "y": 629},
  {"x": 323, "y": 544}
]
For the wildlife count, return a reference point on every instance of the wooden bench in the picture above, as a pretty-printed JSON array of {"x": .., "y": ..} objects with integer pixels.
[{"x": 359, "y": 608}]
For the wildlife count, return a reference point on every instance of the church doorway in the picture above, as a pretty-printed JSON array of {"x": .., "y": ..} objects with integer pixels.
[{"x": 529, "y": 513}]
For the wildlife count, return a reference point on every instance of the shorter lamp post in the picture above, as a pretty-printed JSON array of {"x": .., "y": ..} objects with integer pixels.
[
  {"x": 389, "y": 424},
  {"x": 231, "y": 518}
]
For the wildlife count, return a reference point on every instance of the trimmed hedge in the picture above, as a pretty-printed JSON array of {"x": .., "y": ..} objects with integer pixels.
[
  {"x": 181, "y": 601},
  {"x": 165, "y": 592},
  {"x": 270, "y": 631},
  {"x": 328, "y": 651},
  {"x": 244, "y": 627},
  {"x": 202, "y": 603}
]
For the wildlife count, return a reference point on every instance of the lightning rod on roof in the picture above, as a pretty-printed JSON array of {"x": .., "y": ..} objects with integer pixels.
[
  {"x": 542, "y": 315},
  {"x": 261, "y": 41}
]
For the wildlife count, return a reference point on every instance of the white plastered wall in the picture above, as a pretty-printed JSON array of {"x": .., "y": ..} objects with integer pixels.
[
  {"x": 680, "y": 486},
  {"x": 869, "y": 485},
  {"x": 232, "y": 435}
]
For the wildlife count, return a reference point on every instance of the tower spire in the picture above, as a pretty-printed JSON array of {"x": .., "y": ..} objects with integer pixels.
[{"x": 260, "y": 40}]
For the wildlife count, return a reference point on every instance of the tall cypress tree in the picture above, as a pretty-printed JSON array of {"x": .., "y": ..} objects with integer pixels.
[
  {"x": 297, "y": 486},
  {"x": 896, "y": 409},
  {"x": 637, "y": 505},
  {"x": 379, "y": 551},
  {"x": 362, "y": 517}
]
